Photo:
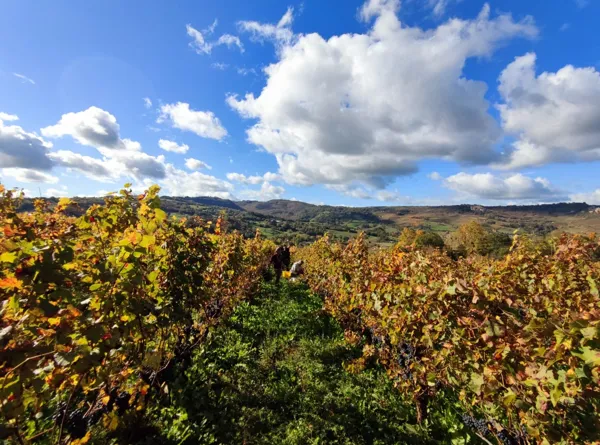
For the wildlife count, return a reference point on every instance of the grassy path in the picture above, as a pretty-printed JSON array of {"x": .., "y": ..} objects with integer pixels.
[{"x": 274, "y": 374}]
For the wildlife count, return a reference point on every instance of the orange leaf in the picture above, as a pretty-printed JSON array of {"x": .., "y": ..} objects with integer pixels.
[{"x": 10, "y": 283}]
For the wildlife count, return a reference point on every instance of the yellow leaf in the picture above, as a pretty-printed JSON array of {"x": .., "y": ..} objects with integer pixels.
[
  {"x": 54, "y": 321},
  {"x": 105, "y": 399},
  {"x": 83, "y": 440},
  {"x": 125, "y": 318}
]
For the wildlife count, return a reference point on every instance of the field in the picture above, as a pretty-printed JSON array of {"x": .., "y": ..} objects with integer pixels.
[{"x": 121, "y": 324}]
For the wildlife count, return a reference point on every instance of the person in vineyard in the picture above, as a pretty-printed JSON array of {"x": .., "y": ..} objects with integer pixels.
[
  {"x": 286, "y": 258},
  {"x": 277, "y": 262},
  {"x": 297, "y": 269}
]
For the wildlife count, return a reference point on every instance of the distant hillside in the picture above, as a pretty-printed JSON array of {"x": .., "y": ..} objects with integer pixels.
[{"x": 296, "y": 221}]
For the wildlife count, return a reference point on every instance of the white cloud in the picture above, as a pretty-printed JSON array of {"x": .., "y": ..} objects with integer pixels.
[
  {"x": 516, "y": 186},
  {"x": 267, "y": 192},
  {"x": 280, "y": 33},
  {"x": 24, "y": 78},
  {"x": 230, "y": 41},
  {"x": 57, "y": 192},
  {"x": 368, "y": 107},
  {"x": 435, "y": 176},
  {"x": 93, "y": 168},
  {"x": 93, "y": 127},
  {"x": 21, "y": 149},
  {"x": 8, "y": 117},
  {"x": 556, "y": 116},
  {"x": 252, "y": 180},
  {"x": 389, "y": 196},
  {"x": 204, "y": 123},
  {"x": 147, "y": 102},
  {"x": 28, "y": 175},
  {"x": 219, "y": 66},
  {"x": 438, "y": 7},
  {"x": 202, "y": 46},
  {"x": 358, "y": 192},
  {"x": 99, "y": 129},
  {"x": 181, "y": 183},
  {"x": 592, "y": 198},
  {"x": 245, "y": 71},
  {"x": 376, "y": 8},
  {"x": 173, "y": 146},
  {"x": 195, "y": 164}
]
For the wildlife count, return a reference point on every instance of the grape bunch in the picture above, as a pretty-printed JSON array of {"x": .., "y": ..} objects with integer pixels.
[
  {"x": 406, "y": 356},
  {"x": 214, "y": 308},
  {"x": 478, "y": 425},
  {"x": 508, "y": 438},
  {"x": 74, "y": 422},
  {"x": 376, "y": 340}
]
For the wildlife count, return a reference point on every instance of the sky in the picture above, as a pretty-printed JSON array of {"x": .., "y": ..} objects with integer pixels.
[{"x": 342, "y": 102}]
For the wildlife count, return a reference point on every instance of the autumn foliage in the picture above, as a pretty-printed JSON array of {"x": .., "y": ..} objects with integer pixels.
[
  {"x": 514, "y": 342},
  {"x": 96, "y": 310}
]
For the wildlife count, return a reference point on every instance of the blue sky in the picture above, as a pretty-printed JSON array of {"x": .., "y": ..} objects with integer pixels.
[{"x": 341, "y": 102}]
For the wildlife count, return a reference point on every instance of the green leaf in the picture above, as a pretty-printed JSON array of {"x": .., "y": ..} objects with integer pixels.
[
  {"x": 160, "y": 215},
  {"x": 593, "y": 287},
  {"x": 589, "y": 356},
  {"x": 476, "y": 383},
  {"x": 147, "y": 240},
  {"x": 589, "y": 332},
  {"x": 555, "y": 395},
  {"x": 63, "y": 359},
  {"x": 95, "y": 286},
  {"x": 509, "y": 398}
]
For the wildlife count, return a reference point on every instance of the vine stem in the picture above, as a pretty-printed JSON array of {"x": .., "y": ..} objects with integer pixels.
[
  {"x": 22, "y": 363},
  {"x": 62, "y": 423}
]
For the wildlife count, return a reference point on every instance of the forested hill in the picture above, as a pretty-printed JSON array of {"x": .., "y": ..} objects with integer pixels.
[{"x": 301, "y": 222}]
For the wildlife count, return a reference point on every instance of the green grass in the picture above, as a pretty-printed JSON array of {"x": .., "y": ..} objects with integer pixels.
[{"x": 274, "y": 373}]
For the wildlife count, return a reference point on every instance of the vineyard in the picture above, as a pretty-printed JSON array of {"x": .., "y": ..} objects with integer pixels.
[
  {"x": 124, "y": 325},
  {"x": 512, "y": 344}
]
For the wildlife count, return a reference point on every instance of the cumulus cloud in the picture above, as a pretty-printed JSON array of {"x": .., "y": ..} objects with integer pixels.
[
  {"x": 556, "y": 116},
  {"x": 99, "y": 129},
  {"x": 147, "y": 102},
  {"x": 24, "y": 78},
  {"x": 201, "y": 45},
  {"x": 516, "y": 186},
  {"x": 195, "y": 164},
  {"x": 592, "y": 198},
  {"x": 28, "y": 175},
  {"x": 280, "y": 33},
  {"x": 181, "y": 183},
  {"x": 93, "y": 127},
  {"x": 266, "y": 192},
  {"x": 203, "y": 123},
  {"x": 368, "y": 107},
  {"x": 91, "y": 167},
  {"x": 173, "y": 146},
  {"x": 8, "y": 117},
  {"x": 252, "y": 180},
  {"x": 20, "y": 149}
]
